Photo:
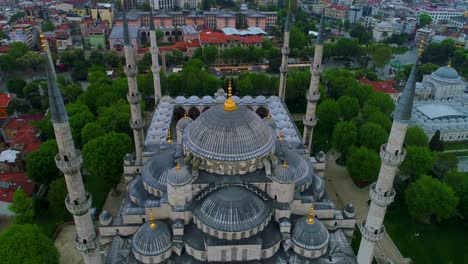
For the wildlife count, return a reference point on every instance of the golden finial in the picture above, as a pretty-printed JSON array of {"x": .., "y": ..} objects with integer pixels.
[
  {"x": 450, "y": 63},
  {"x": 177, "y": 166},
  {"x": 268, "y": 115},
  {"x": 152, "y": 222},
  {"x": 229, "y": 104},
  {"x": 280, "y": 137},
  {"x": 185, "y": 115},
  {"x": 285, "y": 164},
  {"x": 421, "y": 47},
  {"x": 169, "y": 138},
  {"x": 43, "y": 42},
  {"x": 311, "y": 218}
]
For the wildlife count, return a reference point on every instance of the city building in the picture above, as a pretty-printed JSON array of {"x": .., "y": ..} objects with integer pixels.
[
  {"x": 336, "y": 12},
  {"x": 94, "y": 33},
  {"x": 162, "y": 4},
  {"x": 355, "y": 14},
  {"x": 103, "y": 12},
  {"x": 24, "y": 32},
  {"x": 425, "y": 33},
  {"x": 5, "y": 99},
  {"x": 383, "y": 87},
  {"x": 382, "y": 30},
  {"x": 439, "y": 13},
  {"x": 9, "y": 184}
]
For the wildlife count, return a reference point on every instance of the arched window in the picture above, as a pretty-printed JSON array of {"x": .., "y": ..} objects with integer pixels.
[
  {"x": 244, "y": 254},
  {"x": 223, "y": 255},
  {"x": 234, "y": 253}
]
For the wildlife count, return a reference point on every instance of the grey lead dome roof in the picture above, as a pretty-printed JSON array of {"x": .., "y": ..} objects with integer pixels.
[
  {"x": 447, "y": 73},
  {"x": 310, "y": 236},
  {"x": 232, "y": 209},
  {"x": 178, "y": 177},
  {"x": 229, "y": 135},
  {"x": 152, "y": 242}
]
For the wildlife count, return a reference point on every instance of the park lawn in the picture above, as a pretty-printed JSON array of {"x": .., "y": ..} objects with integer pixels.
[
  {"x": 48, "y": 222},
  {"x": 437, "y": 243},
  {"x": 455, "y": 145}
]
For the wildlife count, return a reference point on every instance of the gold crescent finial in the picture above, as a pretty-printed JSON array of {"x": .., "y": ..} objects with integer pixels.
[
  {"x": 280, "y": 137},
  {"x": 152, "y": 222},
  {"x": 285, "y": 164},
  {"x": 450, "y": 63},
  {"x": 43, "y": 42},
  {"x": 229, "y": 104},
  {"x": 311, "y": 218},
  {"x": 421, "y": 47},
  {"x": 185, "y": 115},
  {"x": 268, "y": 115},
  {"x": 177, "y": 166},
  {"x": 169, "y": 138}
]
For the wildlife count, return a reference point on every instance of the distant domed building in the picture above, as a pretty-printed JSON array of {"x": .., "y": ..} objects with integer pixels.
[
  {"x": 231, "y": 183},
  {"x": 441, "y": 105},
  {"x": 382, "y": 30}
]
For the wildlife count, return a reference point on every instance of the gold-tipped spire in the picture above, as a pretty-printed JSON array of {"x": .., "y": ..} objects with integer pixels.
[
  {"x": 152, "y": 222},
  {"x": 421, "y": 47},
  {"x": 43, "y": 42},
  {"x": 185, "y": 115},
  {"x": 311, "y": 218},
  {"x": 268, "y": 115},
  {"x": 229, "y": 104},
  {"x": 169, "y": 138},
  {"x": 280, "y": 137},
  {"x": 285, "y": 164},
  {"x": 450, "y": 63},
  {"x": 177, "y": 166}
]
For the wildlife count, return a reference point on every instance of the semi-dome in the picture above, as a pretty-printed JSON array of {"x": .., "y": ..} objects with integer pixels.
[
  {"x": 310, "y": 235},
  {"x": 178, "y": 176},
  {"x": 150, "y": 240},
  {"x": 447, "y": 73},
  {"x": 283, "y": 173},
  {"x": 233, "y": 209},
  {"x": 229, "y": 135}
]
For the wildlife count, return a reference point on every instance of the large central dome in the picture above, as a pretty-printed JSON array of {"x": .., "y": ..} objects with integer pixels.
[{"x": 229, "y": 135}]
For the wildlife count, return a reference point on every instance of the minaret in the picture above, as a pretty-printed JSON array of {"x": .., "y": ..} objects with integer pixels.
[
  {"x": 284, "y": 61},
  {"x": 133, "y": 96},
  {"x": 69, "y": 161},
  {"x": 313, "y": 95},
  {"x": 392, "y": 154},
  {"x": 155, "y": 68}
]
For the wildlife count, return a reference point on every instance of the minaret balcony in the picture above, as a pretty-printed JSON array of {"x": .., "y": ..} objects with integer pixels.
[
  {"x": 154, "y": 50},
  {"x": 155, "y": 69},
  {"x": 79, "y": 208},
  {"x": 309, "y": 122},
  {"x": 375, "y": 236},
  {"x": 137, "y": 125},
  {"x": 131, "y": 71},
  {"x": 284, "y": 69},
  {"x": 87, "y": 246},
  {"x": 313, "y": 97},
  {"x": 382, "y": 200},
  {"x": 394, "y": 158},
  {"x": 71, "y": 164},
  {"x": 285, "y": 51},
  {"x": 134, "y": 98}
]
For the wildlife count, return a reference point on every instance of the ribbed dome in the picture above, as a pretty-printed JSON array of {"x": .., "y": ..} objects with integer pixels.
[
  {"x": 298, "y": 166},
  {"x": 229, "y": 135},
  {"x": 178, "y": 176},
  {"x": 283, "y": 174},
  {"x": 232, "y": 209},
  {"x": 152, "y": 242},
  {"x": 310, "y": 236},
  {"x": 446, "y": 72}
]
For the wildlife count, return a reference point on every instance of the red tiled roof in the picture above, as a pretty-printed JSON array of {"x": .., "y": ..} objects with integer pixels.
[
  {"x": 16, "y": 124},
  {"x": 31, "y": 147},
  {"x": 195, "y": 43},
  {"x": 5, "y": 99},
  {"x": 214, "y": 37},
  {"x": 338, "y": 7},
  {"x": 25, "y": 137},
  {"x": 15, "y": 182},
  {"x": 4, "y": 49},
  {"x": 385, "y": 87}
]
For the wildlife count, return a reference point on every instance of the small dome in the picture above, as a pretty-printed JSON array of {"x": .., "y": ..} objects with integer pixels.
[
  {"x": 260, "y": 99},
  {"x": 247, "y": 99},
  {"x": 271, "y": 122},
  {"x": 349, "y": 211},
  {"x": 183, "y": 122},
  {"x": 447, "y": 73},
  {"x": 310, "y": 236},
  {"x": 220, "y": 99},
  {"x": 233, "y": 209},
  {"x": 152, "y": 242},
  {"x": 193, "y": 99},
  {"x": 207, "y": 99},
  {"x": 180, "y": 100},
  {"x": 283, "y": 174},
  {"x": 105, "y": 215},
  {"x": 178, "y": 176}
]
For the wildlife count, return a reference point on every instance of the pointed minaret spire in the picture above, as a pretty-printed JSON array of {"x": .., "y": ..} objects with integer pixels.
[
  {"x": 392, "y": 154},
  {"x": 284, "y": 60},
  {"x": 314, "y": 95},
  {"x": 133, "y": 97},
  {"x": 155, "y": 68},
  {"x": 69, "y": 161}
]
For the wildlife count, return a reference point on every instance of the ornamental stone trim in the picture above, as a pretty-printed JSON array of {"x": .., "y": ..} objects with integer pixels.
[
  {"x": 154, "y": 50},
  {"x": 134, "y": 99},
  {"x": 79, "y": 208},
  {"x": 392, "y": 159},
  {"x": 309, "y": 122},
  {"x": 87, "y": 246},
  {"x": 131, "y": 72},
  {"x": 137, "y": 125},
  {"x": 283, "y": 69},
  {"x": 371, "y": 236},
  {"x": 155, "y": 69},
  {"x": 70, "y": 166},
  {"x": 382, "y": 200},
  {"x": 313, "y": 97},
  {"x": 285, "y": 51}
]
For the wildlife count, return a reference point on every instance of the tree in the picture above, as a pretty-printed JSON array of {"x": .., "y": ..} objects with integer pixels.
[
  {"x": 424, "y": 20},
  {"x": 56, "y": 197},
  {"x": 344, "y": 136},
  {"x": 27, "y": 244},
  {"x": 436, "y": 143},
  {"x": 381, "y": 55},
  {"x": 459, "y": 183},
  {"x": 115, "y": 117},
  {"x": 209, "y": 54},
  {"x": 372, "y": 136},
  {"x": 428, "y": 197},
  {"x": 349, "y": 107},
  {"x": 40, "y": 164},
  {"x": 48, "y": 26},
  {"x": 103, "y": 156},
  {"x": 348, "y": 48},
  {"x": 32, "y": 93},
  {"x": 79, "y": 115},
  {"x": 7, "y": 65},
  {"x": 418, "y": 161},
  {"x": 328, "y": 112},
  {"x": 383, "y": 101},
  {"x": 298, "y": 39},
  {"x": 91, "y": 131},
  {"x": 360, "y": 32},
  {"x": 22, "y": 206},
  {"x": 71, "y": 92},
  {"x": 363, "y": 164},
  {"x": 17, "y": 49},
  {"x": 112, "y": 59},
  {"x": 347, "y": 24},
  {"x": 159, "y": 35},
  {"x": 16, "y": 86},
  {"x": 96, "y": 57},
  {"x": 415, "y": 136}
]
